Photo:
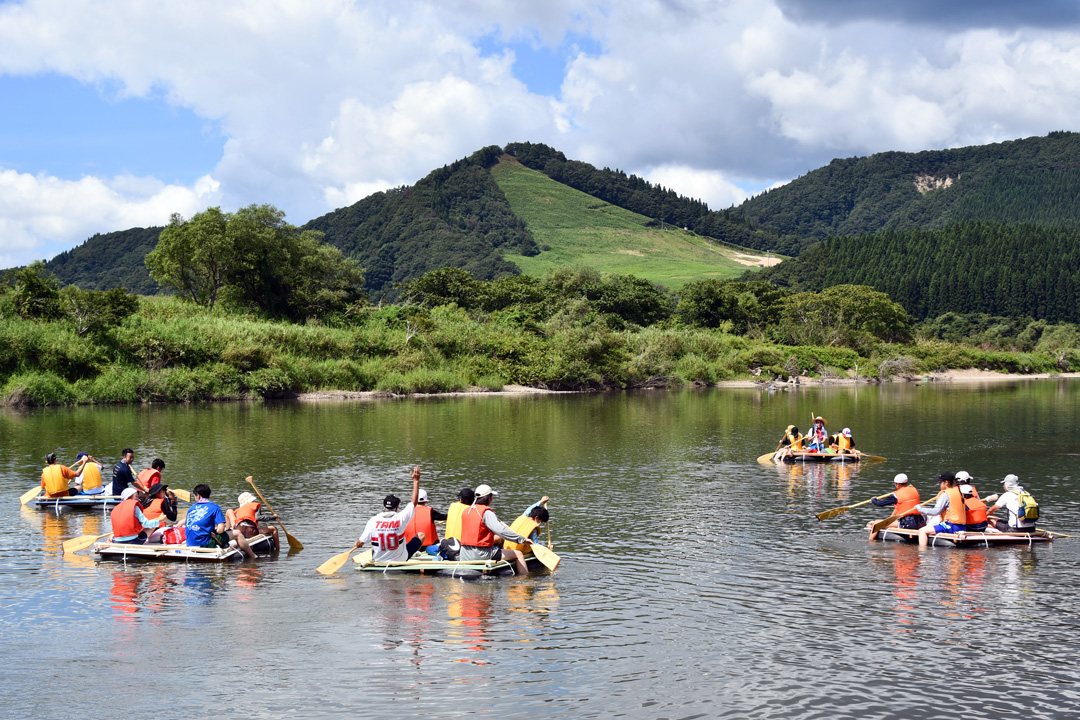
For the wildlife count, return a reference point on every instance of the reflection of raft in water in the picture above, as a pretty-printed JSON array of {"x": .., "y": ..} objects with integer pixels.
[
  {"x": 820, "y": 457},
  {"x": 424, "y": 564},
  {"x": 261, "y": 545},
  {"x": 967, "y": 539},
  {"x": 92, "y": 502}
]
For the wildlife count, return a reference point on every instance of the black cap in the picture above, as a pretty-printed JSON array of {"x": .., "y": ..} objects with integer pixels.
[
  {"x": 391, "y": 502},
  {"x": 947, "y": 477},
  {"x": 155, "y": 489}
]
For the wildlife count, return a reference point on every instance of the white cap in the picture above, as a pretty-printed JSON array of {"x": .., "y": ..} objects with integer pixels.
[
  {"x": 1011, "y": 481},
  {"x": 966, "y": 490},
  {"x": 900, "y": 479},
  {"x": 127, "y": 492},
  {"x": 422, "y": 495},
  {"x": 244, "y": 498},
  {"x": 485, "y": 490},
  {"x": 846, "y": 431},
  {"x": 962, "y": 475}
]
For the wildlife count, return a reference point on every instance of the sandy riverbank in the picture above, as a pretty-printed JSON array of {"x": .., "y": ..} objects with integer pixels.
[{"x": 970, "y": 375}]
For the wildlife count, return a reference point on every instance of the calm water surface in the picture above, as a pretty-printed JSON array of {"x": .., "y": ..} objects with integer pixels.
[{"x": 694, "y": 583}]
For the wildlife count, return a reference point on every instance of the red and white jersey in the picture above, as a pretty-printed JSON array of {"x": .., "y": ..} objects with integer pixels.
[{"x": 386, "y": 534}]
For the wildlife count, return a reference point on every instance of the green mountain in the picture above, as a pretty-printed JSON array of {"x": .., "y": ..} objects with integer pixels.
[
  {"x": 1003, "y": 269},
  {"x": 574, "y": 228},
  {"x": 1035, "y": 180},
  {"x": 108, "y": 261}
]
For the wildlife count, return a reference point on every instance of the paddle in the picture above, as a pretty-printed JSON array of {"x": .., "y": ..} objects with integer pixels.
[
  {"x": 546, "y": 556},
  {"x": 334, "y": 564},
  {"x": 182, "y": 495},
  {"x": 841, "y": 510},
  {"x": 82, "y": 542},
  {"x": 30, "y": 495},
  {"x": 767, "y": 457},
  {"x": 365, "y": 558},
  {"x": 294, "y": 544},
  {"x": 882, "y": 524}
]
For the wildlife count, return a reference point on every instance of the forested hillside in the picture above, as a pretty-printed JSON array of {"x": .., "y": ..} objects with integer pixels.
[
  {"x": 1014, "y": 270},
  {"x": 109, "y": 261},
  {"x": 1034, "y": 180},
  {"x": 456, "y": 216}
]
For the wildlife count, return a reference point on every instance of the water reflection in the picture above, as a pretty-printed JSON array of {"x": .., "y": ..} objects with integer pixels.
[{"x": 820, "y": 481}]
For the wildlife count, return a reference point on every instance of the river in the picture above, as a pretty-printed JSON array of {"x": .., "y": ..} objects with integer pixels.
[{"x": 694, "y": 582}]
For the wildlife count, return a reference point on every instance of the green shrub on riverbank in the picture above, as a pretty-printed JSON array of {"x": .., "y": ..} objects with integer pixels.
[{"x": 171, "y": 351}]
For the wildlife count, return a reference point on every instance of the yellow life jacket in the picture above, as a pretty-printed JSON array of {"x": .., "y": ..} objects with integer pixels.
[
  {"x": 54, "y": 481},
  {"x": 91, "y": 476},
  {"x": 453, "y": 520},
  {"x": 843, "y": 442},
  {"x": 794, "y": 442},
  {"x": 523, "y": 526}
]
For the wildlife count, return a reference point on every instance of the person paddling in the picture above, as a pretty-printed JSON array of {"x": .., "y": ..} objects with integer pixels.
[
  {"x": 453, "y": 514},
  {"x": 245, "y": 519},
  {"x": 790, "y": 443},
  {"x": 89, "y": 482},
  {"x": 54, "y": 478},
  {"x": 150, "y": 476},
  {"x": 129, "y": 523},
  {"x": 527, "y": 524},
  {"x": 949, "y": 508},
  {"x": 205, "y": 524},
  {"x": 905, "y": 498},
  {"x": 479, "y": 526},
  {"x": 160, "y": 503},
  {"x": 123, "y": 475},
  {"x": 1021, "y": 506},
  {"x": 386, "y": 531},
  {"x": 818, "y": 437},
  {"x": 974, "y": 509}
]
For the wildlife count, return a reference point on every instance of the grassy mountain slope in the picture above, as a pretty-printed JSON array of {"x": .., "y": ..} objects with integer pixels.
[
  {"x": 582, "y": 230},
  {"x": 107, "y": 261},
  {"x": 1034, "y": 180}
]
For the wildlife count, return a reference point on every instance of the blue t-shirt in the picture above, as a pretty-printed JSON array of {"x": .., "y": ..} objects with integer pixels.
[{"x": 201, "y": 520}]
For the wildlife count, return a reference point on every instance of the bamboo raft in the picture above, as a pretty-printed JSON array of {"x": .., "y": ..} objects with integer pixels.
[
  {"x": 968, "y": 539},
  {"x": 261, "y": 545}
]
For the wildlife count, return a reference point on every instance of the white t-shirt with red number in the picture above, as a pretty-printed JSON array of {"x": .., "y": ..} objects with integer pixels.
[{"x": 386, "y": 534}]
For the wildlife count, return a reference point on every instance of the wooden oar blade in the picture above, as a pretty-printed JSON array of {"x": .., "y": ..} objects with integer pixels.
[
  {"x": 365, "y": 558},
  {"x": 546, "y": 556},
  {"x": 182, "y": 495},
  {"x": 30, "y": 495},
  {"x": 766, "y": 458},
  {"x": 81, "y": 543},
  {"x": 294, "y": 544},
  {"x": 833, "y": 513},
  {"x": 875, "y": 458},
  {"x": 882, "y": 524},
  {"x": 334, "y": 564}
]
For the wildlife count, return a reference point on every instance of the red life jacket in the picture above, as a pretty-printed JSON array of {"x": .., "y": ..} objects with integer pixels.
[
  {"x": 422, "y": 523},
  {"x": 124, "y": 522},
  {"x": 907, "y": 498},
  {"x": 975, "y": 510},
  {"x": 147, "y": 478},
  {"x": 248, "y": 511},
  {"x": 474, "y": 532},
  {"x": 153, "y": 510}
]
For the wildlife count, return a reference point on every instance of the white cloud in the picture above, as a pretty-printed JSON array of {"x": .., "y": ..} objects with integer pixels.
[
  {"x": 42, "y": 215},
  {"x": 708, "y": 185},
  {"x": 324, "y": 102}
]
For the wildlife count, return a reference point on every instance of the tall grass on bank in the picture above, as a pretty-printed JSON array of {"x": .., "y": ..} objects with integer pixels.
[{"x": 175, "y": 352}]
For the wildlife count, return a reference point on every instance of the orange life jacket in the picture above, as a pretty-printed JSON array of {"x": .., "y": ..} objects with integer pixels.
[
  {"x": 148, "y": 477},
  {"x": 153, "y": 510},
  {"x": 975, "y": 511},
  {"x": 91, "y": 476},
  {"x": 248, "y": 511},
  {"x": 422, "y": 523},
  {"x": 907, "y": 498},
  {"x": 54, "y": 480},
  {"x": 453, "y": 519},
  {"x": 474, "y": 532},
  {"x": 124, "y": 522},
  {"x": 523, "y": 526},
  {"x": 956, "y": 513}
]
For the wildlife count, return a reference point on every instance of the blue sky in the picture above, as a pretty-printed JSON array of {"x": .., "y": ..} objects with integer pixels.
[{"x": 119, "y": 114}]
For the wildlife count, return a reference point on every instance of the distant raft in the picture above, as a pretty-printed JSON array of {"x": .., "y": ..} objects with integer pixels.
[
  {"x": 968, "y": 539},
  {"x": 84, "y": 502},
  {"x": 424, "y": 564},
  {"x": 261, "y": 545},
  {"x": 818, "y": 457}
]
